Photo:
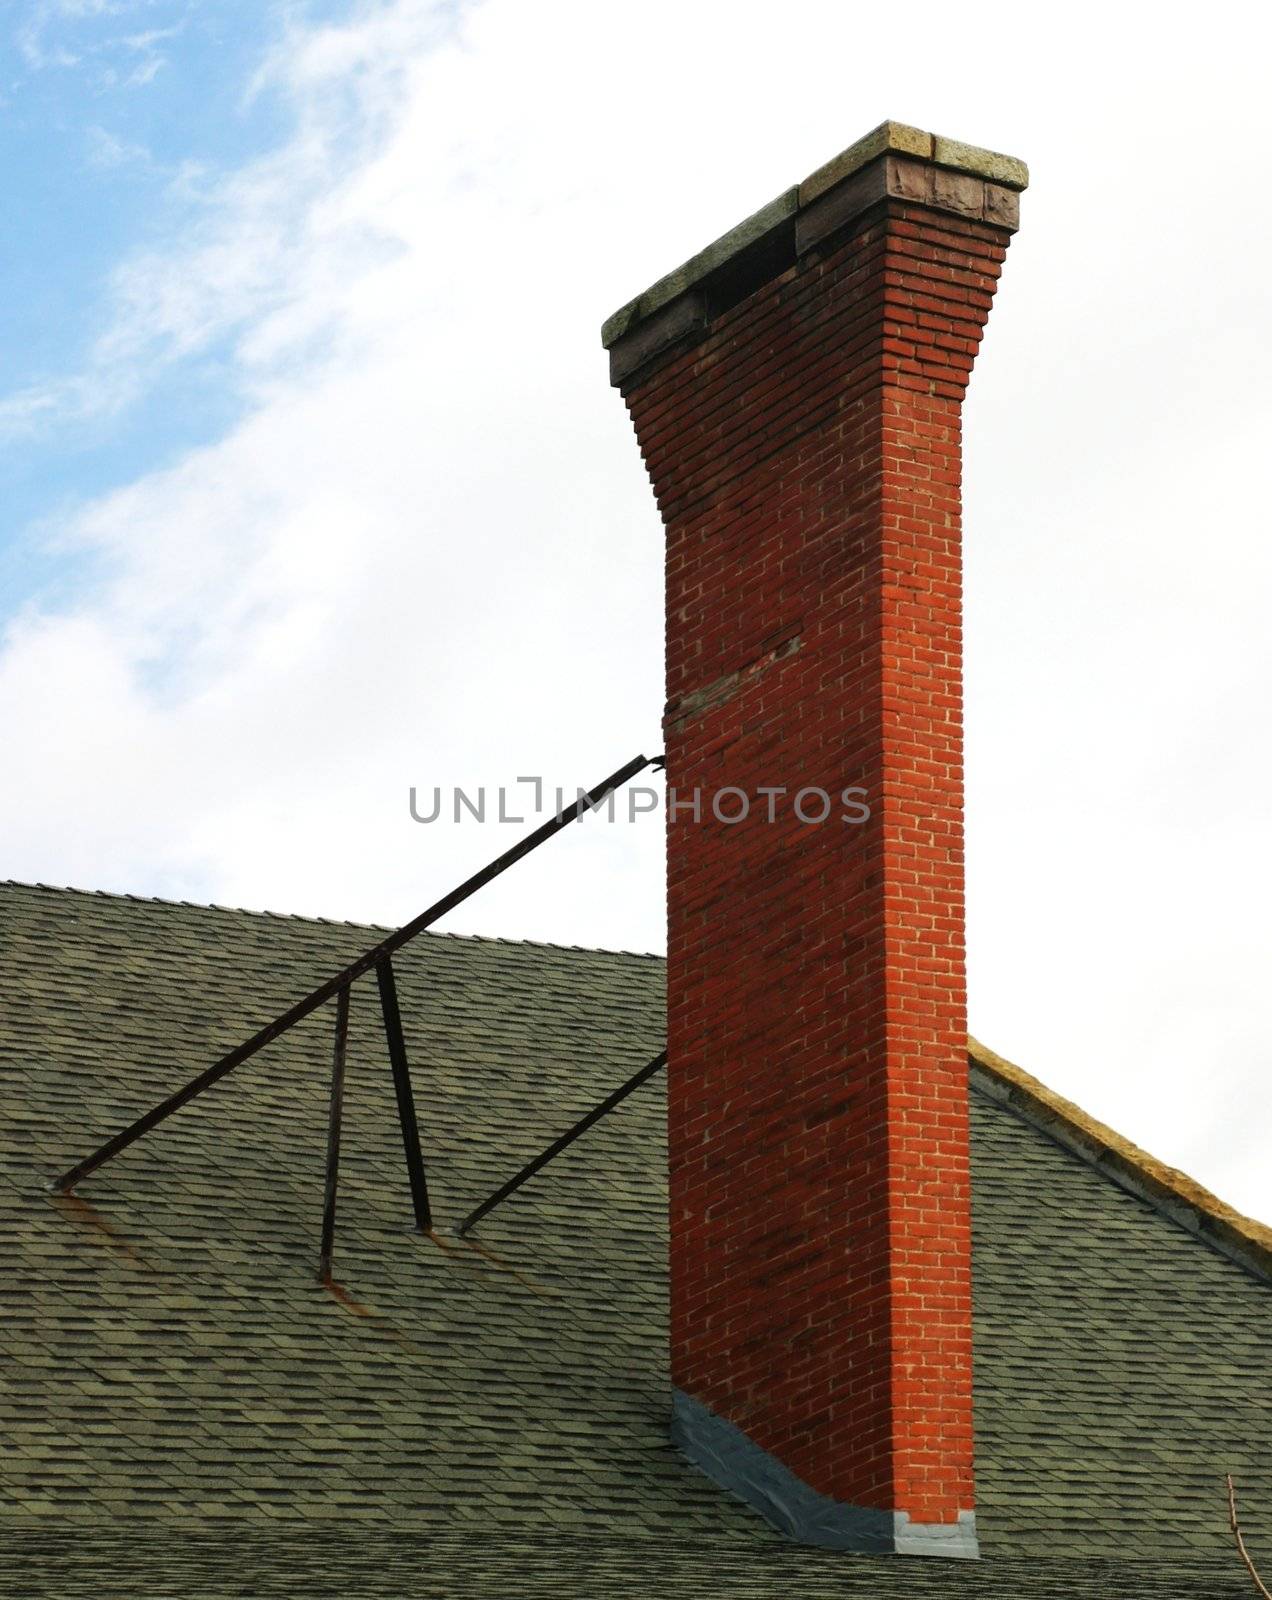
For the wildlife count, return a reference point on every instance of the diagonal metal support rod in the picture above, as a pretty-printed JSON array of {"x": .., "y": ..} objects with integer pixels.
[
  {"x": 355, "y": 969},
  {"x": 333, "y": 1135},
  {"x": 405, "y": 1098},
  {"x": 540, "y": 1161}
]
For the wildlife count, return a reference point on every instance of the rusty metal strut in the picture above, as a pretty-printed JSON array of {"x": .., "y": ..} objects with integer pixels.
[
  {"x": 376, "y": 957},
  {"x": 333, "y": 1135},
  {"x": 555, "y": 1148}
]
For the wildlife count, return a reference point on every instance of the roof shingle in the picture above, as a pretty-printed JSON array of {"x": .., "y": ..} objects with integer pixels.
[{"x": 168, "y": 1355}]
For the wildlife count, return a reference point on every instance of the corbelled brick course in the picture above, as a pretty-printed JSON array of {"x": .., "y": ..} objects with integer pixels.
[{"x": 804, "y": 445}]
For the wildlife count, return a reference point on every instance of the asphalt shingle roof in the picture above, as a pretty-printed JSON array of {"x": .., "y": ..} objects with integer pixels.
[{"x": 491, "y": 1417}]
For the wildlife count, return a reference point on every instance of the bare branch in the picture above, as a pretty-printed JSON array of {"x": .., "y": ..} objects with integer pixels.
[{"x": 1236, "y": 1533}]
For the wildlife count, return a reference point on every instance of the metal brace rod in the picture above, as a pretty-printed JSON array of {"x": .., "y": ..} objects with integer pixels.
[
  {"x": 333, "y": 1135},
  {"x": 540, "y": 1161},
  {"x": 405, "y": 1098},
  {"x": 355, "y": 969}
]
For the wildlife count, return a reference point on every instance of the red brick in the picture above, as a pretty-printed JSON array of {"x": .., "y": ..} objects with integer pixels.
[{"x": 805, "y": 456}]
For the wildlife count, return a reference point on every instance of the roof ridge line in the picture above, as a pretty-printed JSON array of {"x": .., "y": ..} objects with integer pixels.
[
  {"x": 321, "y": 922},
  {"x": 1168, "y": 1190}
]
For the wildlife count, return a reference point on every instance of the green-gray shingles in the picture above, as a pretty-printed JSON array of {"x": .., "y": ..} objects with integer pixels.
[{"x": 168, "y": 1355}]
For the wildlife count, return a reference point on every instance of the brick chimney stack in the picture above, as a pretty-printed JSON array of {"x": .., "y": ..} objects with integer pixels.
[{"x": 796, "y": 390}]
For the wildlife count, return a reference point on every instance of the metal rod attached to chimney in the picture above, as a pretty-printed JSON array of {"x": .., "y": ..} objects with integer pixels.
[
  {"x": 355, "y": 969},
  {"x": 568, "y": 1138}
]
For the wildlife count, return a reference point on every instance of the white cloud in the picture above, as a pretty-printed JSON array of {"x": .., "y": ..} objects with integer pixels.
[
  {"x": 25, "y": 409},
  {"x": 429, "y": 554},
  {"x": 45, "y": 17},
  {"x": 108, "y": 150}
]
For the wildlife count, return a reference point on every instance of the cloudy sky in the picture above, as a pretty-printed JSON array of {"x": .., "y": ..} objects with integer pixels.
[{"x": 316, "y": 489}]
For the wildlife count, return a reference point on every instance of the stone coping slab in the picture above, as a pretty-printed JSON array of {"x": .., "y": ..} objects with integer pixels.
[{"x": 889, "y": 138}]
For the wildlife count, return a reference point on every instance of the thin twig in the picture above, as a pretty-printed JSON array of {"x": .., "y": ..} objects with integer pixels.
[{"x": 1236, "y": 1533}]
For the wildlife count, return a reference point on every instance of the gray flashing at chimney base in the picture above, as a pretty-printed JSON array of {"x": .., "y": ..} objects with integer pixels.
[
  {"x": 725, "y": 1454},
  {"x": 907, "y": 164}
]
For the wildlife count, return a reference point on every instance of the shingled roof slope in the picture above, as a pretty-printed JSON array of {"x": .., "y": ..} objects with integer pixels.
[{"x": 168, "y": 1356}]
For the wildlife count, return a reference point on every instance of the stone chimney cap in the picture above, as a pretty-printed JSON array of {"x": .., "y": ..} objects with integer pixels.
[{"x": 888, "y": 139}]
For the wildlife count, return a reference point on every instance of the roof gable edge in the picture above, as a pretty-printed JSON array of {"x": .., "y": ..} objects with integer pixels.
[{"x": 1172, "y": 1193}]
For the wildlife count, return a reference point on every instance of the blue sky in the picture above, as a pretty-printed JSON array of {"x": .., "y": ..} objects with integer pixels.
[
  {"x": 118, "y": 118},
  {"x": 316, "y": 488}
]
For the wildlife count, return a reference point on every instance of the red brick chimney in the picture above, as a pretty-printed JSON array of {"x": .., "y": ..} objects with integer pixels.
[{"x": 796, "y": 391}]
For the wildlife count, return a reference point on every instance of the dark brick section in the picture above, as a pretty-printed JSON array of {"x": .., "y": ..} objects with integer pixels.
[{"x": 805, "y": 454}]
